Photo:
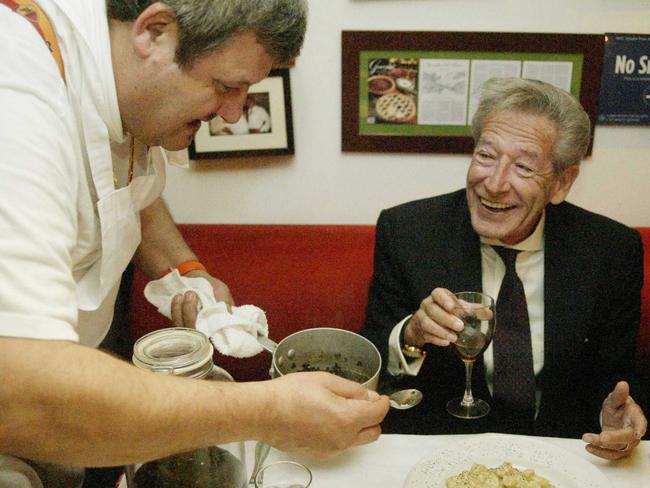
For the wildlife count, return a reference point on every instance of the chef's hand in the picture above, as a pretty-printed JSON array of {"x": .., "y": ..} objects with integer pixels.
[
  {"x": 434, "y": 322},
  {"x": 185, "y": 308},
  {"x": 624, "y": 424},
  {"x": 320, "y": 415}
]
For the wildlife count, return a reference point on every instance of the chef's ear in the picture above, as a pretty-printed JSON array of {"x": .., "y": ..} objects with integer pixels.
[{"x": 153, "y": 26}]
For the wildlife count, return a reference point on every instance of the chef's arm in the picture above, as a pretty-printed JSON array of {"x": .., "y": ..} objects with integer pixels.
[
  {"x": 69, "y": 404},
  {"x": 162, "y": 248}
]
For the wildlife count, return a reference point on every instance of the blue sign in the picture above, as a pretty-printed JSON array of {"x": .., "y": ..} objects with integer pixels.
[{"x": 625, "y": 88}]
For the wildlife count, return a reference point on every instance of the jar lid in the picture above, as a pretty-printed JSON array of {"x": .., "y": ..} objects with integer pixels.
[{"x": 178, "y": 351}]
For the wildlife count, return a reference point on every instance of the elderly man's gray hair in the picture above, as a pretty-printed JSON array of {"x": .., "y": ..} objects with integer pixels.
[
  {"x": 539, "y": 98},
  {"x": 206, "y": 25}
]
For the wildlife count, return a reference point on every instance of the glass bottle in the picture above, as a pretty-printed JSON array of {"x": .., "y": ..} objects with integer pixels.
[{"x": 186, "y": 352}]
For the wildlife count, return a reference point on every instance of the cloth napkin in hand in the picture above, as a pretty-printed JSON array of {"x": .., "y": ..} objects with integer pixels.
[{"x": 233, "y": 334}]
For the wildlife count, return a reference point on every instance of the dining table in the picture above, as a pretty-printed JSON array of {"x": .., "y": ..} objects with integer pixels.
[{"x": 387, "y": 462}]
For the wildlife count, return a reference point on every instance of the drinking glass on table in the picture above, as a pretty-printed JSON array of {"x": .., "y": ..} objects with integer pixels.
[
  {"x": 283, "y": 474},
  {"x": 477, "y": 312}
]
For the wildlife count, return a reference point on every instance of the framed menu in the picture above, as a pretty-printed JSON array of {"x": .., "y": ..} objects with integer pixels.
[{"x": 418, "y": 91}]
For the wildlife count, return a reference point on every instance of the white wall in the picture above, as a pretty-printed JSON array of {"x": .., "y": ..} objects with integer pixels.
[{"x": 321, "y": 184}]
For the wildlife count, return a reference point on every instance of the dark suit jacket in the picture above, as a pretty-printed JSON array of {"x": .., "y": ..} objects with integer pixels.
[{"x": 592, "y": 281}]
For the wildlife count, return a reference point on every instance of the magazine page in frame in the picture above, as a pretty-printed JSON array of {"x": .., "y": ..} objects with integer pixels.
[{"x": 265, "y": 127}]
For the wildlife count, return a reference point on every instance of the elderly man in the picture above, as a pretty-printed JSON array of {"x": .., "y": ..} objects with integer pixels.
[
  {"x": 87, "y": 90},
  {"x": 578, "y": 277}
]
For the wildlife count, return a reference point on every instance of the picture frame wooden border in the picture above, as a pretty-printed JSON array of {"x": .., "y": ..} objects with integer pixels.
[
  {"x": 278, "y": 141},
  {"x": 589, "y": 46}
]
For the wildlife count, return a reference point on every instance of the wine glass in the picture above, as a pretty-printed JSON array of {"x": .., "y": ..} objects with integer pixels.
[{"x": 477, "y": 312}]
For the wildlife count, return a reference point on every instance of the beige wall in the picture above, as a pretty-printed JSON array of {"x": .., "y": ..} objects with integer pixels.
[{"x": 321, "y": 184}]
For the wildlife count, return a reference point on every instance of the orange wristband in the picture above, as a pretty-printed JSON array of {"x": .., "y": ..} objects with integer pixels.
[{"x": 186, "y": 267}]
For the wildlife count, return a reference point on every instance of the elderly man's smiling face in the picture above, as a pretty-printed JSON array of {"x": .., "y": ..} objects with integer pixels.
[{"x": 511, "y": 177}]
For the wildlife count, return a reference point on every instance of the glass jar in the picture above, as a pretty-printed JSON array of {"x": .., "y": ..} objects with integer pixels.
[{"x": 186, "y": 352}]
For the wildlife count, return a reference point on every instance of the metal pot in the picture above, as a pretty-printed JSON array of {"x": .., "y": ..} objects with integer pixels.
[{"x": 337, "y": 351}]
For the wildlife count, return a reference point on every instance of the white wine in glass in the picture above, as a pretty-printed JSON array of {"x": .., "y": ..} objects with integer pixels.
[{"x": 477, "y": 312}]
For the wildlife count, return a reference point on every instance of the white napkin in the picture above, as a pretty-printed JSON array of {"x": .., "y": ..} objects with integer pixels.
[{"x": 233, "y": 334}]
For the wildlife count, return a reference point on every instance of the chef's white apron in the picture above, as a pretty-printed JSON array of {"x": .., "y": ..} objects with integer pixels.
[{"x": 118, "y": 211}]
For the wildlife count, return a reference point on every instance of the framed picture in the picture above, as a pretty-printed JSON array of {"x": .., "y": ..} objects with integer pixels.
[
  {"x": 265, "y": 127},
  {"x": 418, "y": 91}
]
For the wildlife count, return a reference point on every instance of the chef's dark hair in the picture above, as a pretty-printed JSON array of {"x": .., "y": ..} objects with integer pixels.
[{"x": 206, "y": 25}]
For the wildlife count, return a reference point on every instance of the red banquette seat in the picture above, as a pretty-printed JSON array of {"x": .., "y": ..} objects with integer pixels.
[{"x": 302, "y": 276}]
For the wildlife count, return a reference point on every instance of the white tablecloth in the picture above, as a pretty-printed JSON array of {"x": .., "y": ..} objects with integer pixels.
[{"x": 386, "y": 462}]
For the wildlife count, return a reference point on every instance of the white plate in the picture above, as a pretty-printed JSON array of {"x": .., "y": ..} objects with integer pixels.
[{"x": 560, "y": 467}]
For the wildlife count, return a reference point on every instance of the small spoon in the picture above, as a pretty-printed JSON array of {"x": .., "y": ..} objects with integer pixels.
[{"x": 405, "y": 399}]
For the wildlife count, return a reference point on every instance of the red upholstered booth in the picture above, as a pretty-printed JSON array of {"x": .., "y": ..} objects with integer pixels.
[{"x": 302, "y": 276}]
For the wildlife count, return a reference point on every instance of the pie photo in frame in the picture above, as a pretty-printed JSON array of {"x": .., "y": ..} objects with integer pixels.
[
  {"x": 392, "y": 91},
  {"x": 396, "y": 107}
]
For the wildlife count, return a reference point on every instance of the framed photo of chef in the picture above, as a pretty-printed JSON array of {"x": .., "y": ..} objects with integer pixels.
[
  {"x": 265, "y": 127},
  {"x": 418, "y": 91}
]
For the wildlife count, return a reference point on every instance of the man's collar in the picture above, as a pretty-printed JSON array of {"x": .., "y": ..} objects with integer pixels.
[{"x": 534, "y": 242}]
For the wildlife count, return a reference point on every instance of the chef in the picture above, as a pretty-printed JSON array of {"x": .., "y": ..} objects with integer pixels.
[{"x": 93, "y": 95}]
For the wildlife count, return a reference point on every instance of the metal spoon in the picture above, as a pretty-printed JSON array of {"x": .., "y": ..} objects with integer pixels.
[
  {"x": 405, "y": 399},
  {"x": 261, "y": 451}
]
